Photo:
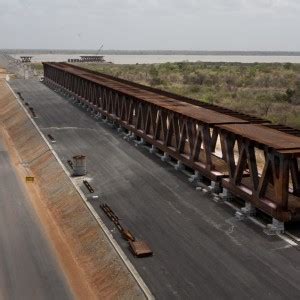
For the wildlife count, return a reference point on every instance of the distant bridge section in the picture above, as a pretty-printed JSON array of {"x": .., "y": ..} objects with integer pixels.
[
  {"x": 246, "y": 156},
  {"x": 26, "y": 59},
  {"x": 88, "y": 59}
]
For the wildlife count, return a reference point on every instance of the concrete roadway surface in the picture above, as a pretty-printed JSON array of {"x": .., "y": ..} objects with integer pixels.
[
  {"x": 28, "y": 268},
  {"x": 201, "y": 251}
]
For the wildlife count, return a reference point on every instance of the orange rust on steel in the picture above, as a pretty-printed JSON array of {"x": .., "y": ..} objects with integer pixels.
[
  {"x": 220, "y": 109},
  {"x": 264, "y": 135},
  {"x": 189, "y": 110},
  {"x": 127, "y": 235},
  {"x": 112, "y": 216},
  {"x": 190, "y": 133},
  {"x": 164, "y": 98}
]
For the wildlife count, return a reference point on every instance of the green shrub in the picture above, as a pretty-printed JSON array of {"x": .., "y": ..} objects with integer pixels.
[{"x": 267, "y": 90}]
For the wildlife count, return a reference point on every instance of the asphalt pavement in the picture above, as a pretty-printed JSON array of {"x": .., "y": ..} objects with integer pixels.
[
  {"x": 201, "y": 251},
  {"x": 29, "y": 269}
]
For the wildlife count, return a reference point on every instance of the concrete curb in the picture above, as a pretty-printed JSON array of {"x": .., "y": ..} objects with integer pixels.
[{"x": 114, "y": 243}]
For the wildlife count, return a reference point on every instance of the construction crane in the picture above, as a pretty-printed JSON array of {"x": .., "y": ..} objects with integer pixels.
[{"x": 101, "y": 47}]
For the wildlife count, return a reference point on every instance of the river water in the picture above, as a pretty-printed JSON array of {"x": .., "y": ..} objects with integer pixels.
[{"x": 151, "y": 59}]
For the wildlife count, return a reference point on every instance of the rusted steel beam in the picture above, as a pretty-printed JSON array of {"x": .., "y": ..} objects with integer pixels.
[
  {"x": 223, "y": 110},
  {"x": 252, "y": 159}
]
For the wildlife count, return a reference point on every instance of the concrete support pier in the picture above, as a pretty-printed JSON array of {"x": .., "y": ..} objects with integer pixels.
[
  {"x": 276, "y": 227},
  {"x": 131, "y": 136},
  {"x": 153, "y": 149},
  {"x": 179, "y": 166},
  {"x": 196, "y": 177},
  {"x": 226, "y": 195},
  {"x": 141, "y": 142},
  {"x": 215, "y": 187},
  {"x": 120, "y": 129},
  {"x": 247, "y": 211},
  {"x": 165, "y": 157}
]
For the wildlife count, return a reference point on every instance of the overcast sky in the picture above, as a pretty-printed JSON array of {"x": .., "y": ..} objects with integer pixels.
[{"x": 151, "y": 24}]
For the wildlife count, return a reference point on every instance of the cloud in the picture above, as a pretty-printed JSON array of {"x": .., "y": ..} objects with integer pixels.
[
  {"x": 190, "y": 24},
  {"x": 114, "y": 7}
]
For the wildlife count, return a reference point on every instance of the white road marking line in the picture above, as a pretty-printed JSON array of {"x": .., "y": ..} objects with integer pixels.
[
  {"x": 288, "y": 240},
  {"x": 232, "y": 205},
  {"x": 262, "y": 225},
  {"x": 296, "y": 238},
  {"x": 257, "y": 222}
]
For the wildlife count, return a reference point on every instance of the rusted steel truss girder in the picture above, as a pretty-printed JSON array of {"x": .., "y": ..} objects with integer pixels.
[{"x": 268, "y": 178}]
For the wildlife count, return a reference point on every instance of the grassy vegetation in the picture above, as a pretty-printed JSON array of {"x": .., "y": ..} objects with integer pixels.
[
  {"x": 270, "y": 91},
  {"x": 38, "y": 67}
]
